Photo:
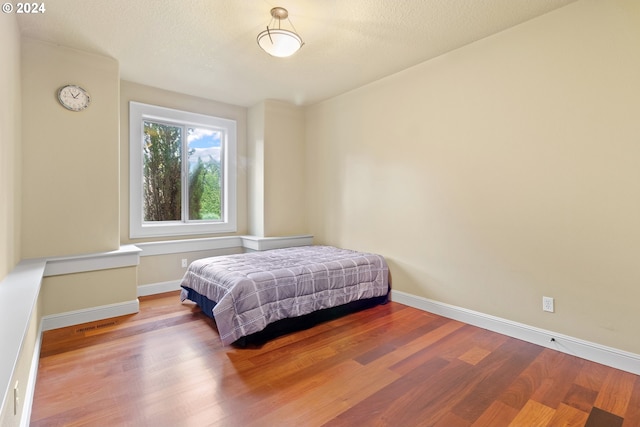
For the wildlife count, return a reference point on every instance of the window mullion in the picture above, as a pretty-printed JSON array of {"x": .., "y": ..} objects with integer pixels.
[
  {"x": 223, "y": 174},
  {"x": 185, "y": 175}
]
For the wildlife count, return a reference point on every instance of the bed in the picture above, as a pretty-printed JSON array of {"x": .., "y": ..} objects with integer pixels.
[{"x": 247, "y": 293}]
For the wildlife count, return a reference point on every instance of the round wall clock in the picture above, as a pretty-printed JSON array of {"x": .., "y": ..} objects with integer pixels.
[{"x": 73, "y": 97}]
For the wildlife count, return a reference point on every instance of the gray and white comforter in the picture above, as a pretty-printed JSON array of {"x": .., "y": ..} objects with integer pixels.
[{"x": 254, "y": 289}]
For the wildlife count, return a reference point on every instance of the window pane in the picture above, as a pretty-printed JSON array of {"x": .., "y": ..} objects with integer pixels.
[
  {"x": 205, "y": 174},
  {"x": 162, "y": 147}
]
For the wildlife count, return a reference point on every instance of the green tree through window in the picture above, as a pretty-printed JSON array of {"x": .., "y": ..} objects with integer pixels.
[
  {"x": 163, "y": 153},
  {"x": 162, "y": 173},
  {"x": 205, "y": 174}
]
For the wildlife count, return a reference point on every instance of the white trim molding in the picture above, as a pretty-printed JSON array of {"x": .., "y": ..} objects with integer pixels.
[
  {"x": 230, "y": 242},
  {"x": 266, "y": 243},
  {"x": 604, "y": 355},
  {"x": 125, "y": 256},
  {"x": 188, "y": 245},
  {"x": 158, "y": 288},
  {"x": 85, "y": 315}
]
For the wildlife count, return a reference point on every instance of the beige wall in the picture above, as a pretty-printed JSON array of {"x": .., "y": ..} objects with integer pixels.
[
  {"x": 498, "y": 173},
  {"x": 284, "y": 170},
  {"x": 165, "y": 268},
  {"x": 71, "y": 292},
  {"x": 10, "y": 151},
  {"x": 70, "y": 173},
  {"x": 277, "y": 195}
]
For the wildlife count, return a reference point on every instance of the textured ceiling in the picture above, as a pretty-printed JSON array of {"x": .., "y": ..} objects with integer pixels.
[{"x": 208, "y": 48}]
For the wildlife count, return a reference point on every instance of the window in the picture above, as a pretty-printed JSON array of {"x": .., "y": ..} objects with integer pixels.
[{"x": 182, "y": 172}]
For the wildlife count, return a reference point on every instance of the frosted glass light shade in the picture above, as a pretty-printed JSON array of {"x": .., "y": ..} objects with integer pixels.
[{"x": 280, "y": 43}]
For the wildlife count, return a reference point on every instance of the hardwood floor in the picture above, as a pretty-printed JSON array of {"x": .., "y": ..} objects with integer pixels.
[{"x": 389, "y": 365}]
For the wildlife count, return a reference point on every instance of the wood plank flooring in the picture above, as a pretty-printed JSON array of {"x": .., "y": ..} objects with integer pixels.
[{"x": 390, "y": 365}]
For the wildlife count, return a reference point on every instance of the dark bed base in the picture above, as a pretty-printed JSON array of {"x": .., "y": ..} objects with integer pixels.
[{"x": 285, "y": 326}]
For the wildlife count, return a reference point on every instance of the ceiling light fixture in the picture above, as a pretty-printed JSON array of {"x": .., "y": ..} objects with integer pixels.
[{"x": 279, "y": 42}]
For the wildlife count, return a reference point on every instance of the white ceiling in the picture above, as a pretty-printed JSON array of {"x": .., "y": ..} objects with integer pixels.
[{"x": 208, "y": 48}]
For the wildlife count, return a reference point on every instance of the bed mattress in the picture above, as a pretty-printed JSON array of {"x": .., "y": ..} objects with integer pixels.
[{"x": 253, "y": 290}]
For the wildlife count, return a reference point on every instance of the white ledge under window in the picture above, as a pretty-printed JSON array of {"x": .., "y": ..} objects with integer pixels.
[
  {"x": 125, "y": 256},
  {"x": 129, "y": 255},
  {"x": 254, "y": 243}
]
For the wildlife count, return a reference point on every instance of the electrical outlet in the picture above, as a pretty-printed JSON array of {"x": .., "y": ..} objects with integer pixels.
[
  {"x": 16, "y": 398},
  {"x": 184, "y": 263},
  {"x": 547, "y": 304}
]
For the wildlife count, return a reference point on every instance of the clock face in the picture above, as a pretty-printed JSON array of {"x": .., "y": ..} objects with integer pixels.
[{"x": 73, "y": 97}]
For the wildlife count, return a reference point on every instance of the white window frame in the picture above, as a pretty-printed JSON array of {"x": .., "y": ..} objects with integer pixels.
[{"x": 138, "y": 228}]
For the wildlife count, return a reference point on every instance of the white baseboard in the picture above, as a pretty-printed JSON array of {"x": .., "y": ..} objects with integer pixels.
[
  {"x": 604, "y": 355},
  {"x": 158, "y": 288},
  {"x": 92, "y": 314}
]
